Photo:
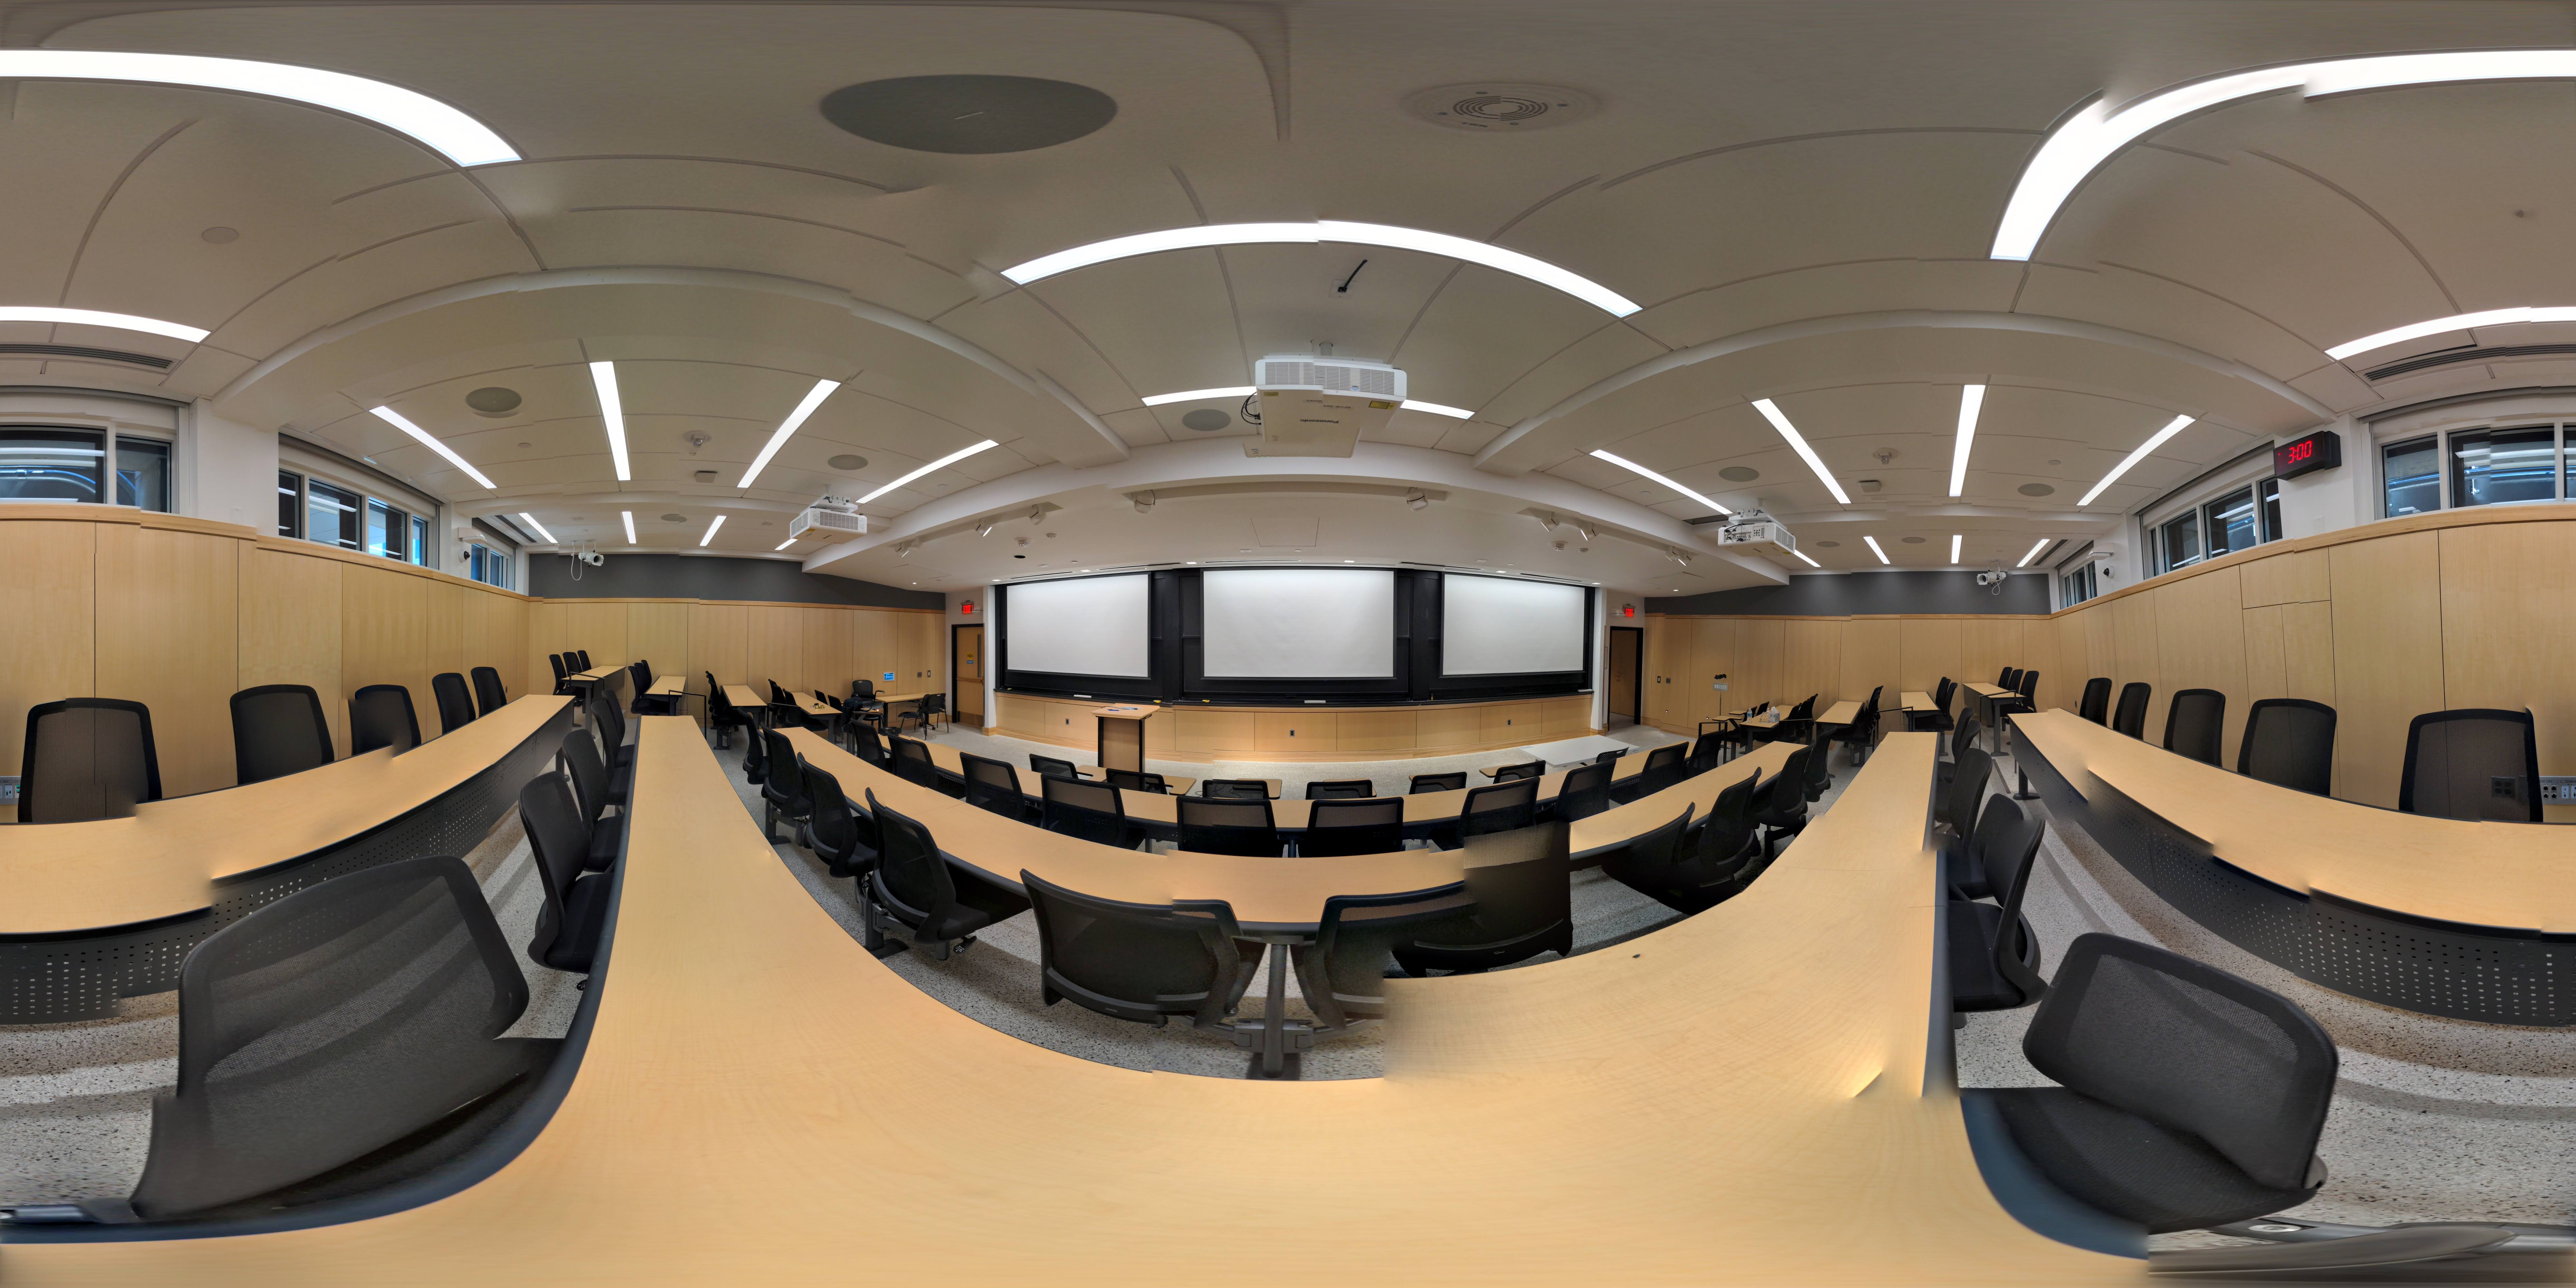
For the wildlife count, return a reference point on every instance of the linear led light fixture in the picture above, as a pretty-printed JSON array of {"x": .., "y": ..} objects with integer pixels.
[
  {"x": 942, "y": 463},
  {"x": 1642, "y": 472},
  {"x": 1803, "y": 555},
  {"x": 1328, "y": 230},
  {"x": 2075, "y": 149},
  {"x": 1873, "y": 549},
  {"x": 2172, "y": 427},
  {"x": 1954, "y": 546},
  {"x": 2036, "y": 547},
  {"x": 2457, "y": 322},
  {"x": 394, "y": 418},
  {"x": 92, "y": 317},
  {"x": 1972, "y": 399},
  {"x": 612, "y": 412},
  {"x": 711, "y": 532},
  {"x": 463, "y": 140},
  {"x": 813, "y": 398},
  {"x": 1246, "y": 391},
  {"x": 531, "y": 521},
  {"x": 780, "y": 546},
  {"x": 629, "y": 517},
  {"x": 1799, "y": 443}
]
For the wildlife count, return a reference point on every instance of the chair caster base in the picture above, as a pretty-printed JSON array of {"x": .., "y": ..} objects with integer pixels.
[
  {"x": 887, "y": 949},
  {"x": 1291, "y": 1069}
]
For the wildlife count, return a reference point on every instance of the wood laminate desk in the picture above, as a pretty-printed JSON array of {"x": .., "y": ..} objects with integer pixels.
[
  {"x": 101, "y": 910},
  {"x": 1743, "y": 1097},
  {"x": 1986, "y": 696},
  {"x": 1914, "y": 701}
]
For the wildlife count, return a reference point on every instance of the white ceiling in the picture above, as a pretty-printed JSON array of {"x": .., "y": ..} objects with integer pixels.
[{"x": 1800, "y": 196}]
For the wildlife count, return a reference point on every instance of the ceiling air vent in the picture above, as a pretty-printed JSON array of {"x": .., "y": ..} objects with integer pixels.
[
  {"x": 2449, "y": 357},
  {"x": 79, "y": 351}
]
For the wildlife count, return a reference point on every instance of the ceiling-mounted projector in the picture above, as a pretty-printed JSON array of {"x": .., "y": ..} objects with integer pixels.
[
  {"x": 1319, "y": 406},
  {"x": 1759, "y": 530},
  {"x": 831, "y": 518}
]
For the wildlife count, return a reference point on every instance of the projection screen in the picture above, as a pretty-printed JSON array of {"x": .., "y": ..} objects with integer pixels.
[
  {"x": 1298, "y": 623},
  {"x": 1081, "y": 626},
  {"x": 1506, "y": 626}
]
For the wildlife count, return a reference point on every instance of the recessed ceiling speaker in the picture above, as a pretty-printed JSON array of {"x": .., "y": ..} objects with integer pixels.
[
  {"x": 2036, "y": 489},
  {"x": 1911, "y": 541},
  {"x": 1739, "y": 474},
  {"x": 220, "y": 236},
  {"x": 848, "y": 462},
  {"x": 1501, "y": 107},
  {"x": 968, "y": 115},
  {"x": 493, "y": 402},
  {"x": 675, "y": 518},
  {"x": 1828, "y": 545},
  {"x": 1206, "y": 419}
]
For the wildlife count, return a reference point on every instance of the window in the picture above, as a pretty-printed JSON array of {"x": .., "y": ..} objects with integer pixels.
[
  {"x": 2270, "y": 491},
  {"x": 388, "y": 530},
  {"x": 489, "y": 566},
  {"x": 330, "y": 515},
  {"x": 420, "y": 540},
  {"x": 2076, "y": 586},
  {"x": 2502, "y": 465},
  {"x": 2229, "y": 521},
  {"x": 290, "y": 504},
  {"x": 143, "y": 473},
  {"x": 2413, "y": 474},
  {"x": 2181, "y": 541},
  {"x": 49, "y": 464}
]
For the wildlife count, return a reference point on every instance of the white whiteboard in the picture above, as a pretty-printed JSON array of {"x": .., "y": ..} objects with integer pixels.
[
  {"x": 1079, "y": 626},
  {"x": 1298, "y": 623},
  {"x": 1506, "y": 626}
]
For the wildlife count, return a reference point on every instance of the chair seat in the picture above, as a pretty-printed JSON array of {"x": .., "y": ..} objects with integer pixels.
[
  {"x": 585, "y": 913},
  {"x": 2122, "y": 1164},
  {"x": 1975, "y": 985},
  {"x": 603, "y": 846}
]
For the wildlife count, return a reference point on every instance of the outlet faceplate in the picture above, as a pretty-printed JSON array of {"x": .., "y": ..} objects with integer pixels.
[{"x": 2558, "y": 791}]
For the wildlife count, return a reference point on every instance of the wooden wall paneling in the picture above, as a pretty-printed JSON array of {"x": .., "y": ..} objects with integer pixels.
[
  {"x": 830, "y": 658},
  {"x": 384, "y": 619},
  {"x": 290, "y": 633},
  {"x": 658, "y": 633},
  {"x": 1295, "y": 735},
  {"x": 2388, "y": 631},
  {"x": 872, "y": 648},
  {"x": 1986, "y": 647},
  {"x": 2307, "y": 640},
  {"x": 1377, "y": 733},
  {"x": 1667, "y": 659},
  {"x": 1867, "y": 655},
  {"x": 598, "y": 627},
  {"x": 1927, "y": 650},
  {"x": 2508, "y": 623},
  {"x": 1558, "y": 717},
  {"x": 920, "y": 654},
  {"x": 717, "y": 643},
  {"x": 1508, "y": 724},
  {"x": 1760, "y": 646},
  {"x": 48, "y": 624},
  {"x": 774, "y": 647},
  {"x": 1713, "y": 653},
  {"x": 169, "y": 636},
  {"x": 2200, "y": 644},
  {"x": 1448, "y": 729},
  {"x": 2291, "y": 577},
  {"x": 2101, "y": 646},
  {"x": 2039, "y": 642},
  {"x": 443, "y": 641},
  {"x": 496, "y": 635},
  {"x": 2136, "y": 652},
  {"x": 1230, "y": 735},
  {"x": 546, "y": 631}
]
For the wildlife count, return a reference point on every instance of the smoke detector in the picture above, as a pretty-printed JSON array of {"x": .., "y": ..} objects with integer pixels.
[{"x": 1501, "y": 107}]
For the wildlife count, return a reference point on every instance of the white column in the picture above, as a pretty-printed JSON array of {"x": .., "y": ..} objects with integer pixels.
[{"x": 224, "y": 470}]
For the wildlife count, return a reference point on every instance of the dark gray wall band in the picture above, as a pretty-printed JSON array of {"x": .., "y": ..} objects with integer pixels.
[
  {"x": 659, "y": 576},
  {"x": 1866, "y": 593}
]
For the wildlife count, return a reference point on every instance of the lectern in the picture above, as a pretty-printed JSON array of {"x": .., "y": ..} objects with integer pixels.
[{"x": 1122, "y": 736}]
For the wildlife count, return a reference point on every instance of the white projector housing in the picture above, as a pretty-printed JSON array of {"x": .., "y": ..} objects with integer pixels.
[
  {"x": 1319, "y": 406},
  {"x": 827, "y": 520},
  {"x": 1760, "y": 531}
]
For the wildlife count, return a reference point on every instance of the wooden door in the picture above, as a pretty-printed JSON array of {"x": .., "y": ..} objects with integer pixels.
[
  {"x": 1625, "y": 641},
  {"x": 968, "y": 641}
]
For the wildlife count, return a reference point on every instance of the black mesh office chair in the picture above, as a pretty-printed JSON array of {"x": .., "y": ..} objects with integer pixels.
[
  {"x": 1583, "y": 792},
  {"x": 1520, "y": 886},
  {"x": 2004, "y": 678},
  {"x": 563, "y": 681},
  {"x": 865, "y": 745},
  {"x": 2096, "y": 705},
  {"x": 1503, "y": 807},
  {"x": 1228, "y": 826},
  {"x": 839, "y": 834},
  {"x": 1819, "y": 766},
  {"x": 455, "y": 701},
  {"x": 581, "y": 659},
  {"x": 993, "y": 786},
  {"x": 489, "y": 695},
  {"x": 2187, "y": 1097},
  {"x": 1341, "y": 789},
  {"x": 609, "y": 725},
  {"x": 912, "y": 764},
  {"x": 1513, "y": 773},
  {"x": 755, "y": 758},
  {"x": 1449, "y": 782},
  {"x": 1938, "y": 720},
  {"x": 1343, "y": 973},
  {"x": 1706, "y": 753},
  {"x": 1374, "y": 825},
  {"x": 939, "y": 905},
  {"x": 1050, "y": 767},
  {"x": 2194, "y": 723},
  {"x": 2474, "y": 763},
  {"x": 1994, "y": 956},
  {"x": 1652, "y": 855},
  {"x": 2131, "y": 716},
  {"x": 1145, "y": 962},
  {"x": 1706, "y": 867},
  {"x": 2289, "y": 742},
  {"x": 1862, "y": 733},
  {"x": 1665, "y": 766},
  {"x": 278, "y": 729},
  {"x": 2026, "y": 693},
  {"x": 722, "y": 718},
  {"x": 1091, "y": 811},
  {"x": 380, "y": 715},
  {"x": 782, "y": 789},
  {"x": 1965, "y": 790},
  {"x": 1798, "y": 726},
  {"x": 1234, "y": 789},
  {"x": 1780, "y": 803},
  {"x": 343, "y": 1038},
  {"x": 593, "y": 792},
  {"x": 863, "y": 702},
  {"x": 85, "y": 759},
  {"x": 575, "y": 910},
  {"x": 1132, "y": 780}
]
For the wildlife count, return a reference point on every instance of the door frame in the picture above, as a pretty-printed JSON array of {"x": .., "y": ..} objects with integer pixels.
[
  {"x": 954, "y": 679},
  {"x": 1636, "y": 675}
]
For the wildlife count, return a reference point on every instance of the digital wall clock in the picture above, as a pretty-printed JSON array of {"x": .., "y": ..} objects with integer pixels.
[{"x": 2321, "y": 450}]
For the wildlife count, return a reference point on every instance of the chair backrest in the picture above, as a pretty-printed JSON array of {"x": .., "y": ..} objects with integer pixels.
[
  {"x": 2131, "y": 718},
  {"x": 557, "y": 659},
  {"x": 1964, "y": 733},
  {"x": 840, "y": 832},
  {"x": 1448, "y": 782},
  {"x": 2194, "y": 723},
  {"x": 559, "y": 842},
  {"x": 1610, "y": 757},
  {"x": 278, "y": 729},
  {"x": 380, "y": 715},
  {"x": 1138, "y": 781},
  {"x": 85, "y": 759},
  {"x": 1820, "y": 762},
  {"x": 1234, "y": 789},
  {"x": 1584, "y": 791},
  {"x": 2190, "y": 1047},
  {"x": 2289, "y": 742},
  {"x": 1664, "y": 767},
  {"x": 1784, "y": 794},
  {"x": 1137, "y": 961},
  {"x": 455, "y": 701},
  {"x": 1520, "y": 882},
  {"x": 2003, "y": 678},
  {"x": 2006, "y": 848},
  {"x": 489, "y": 694},
  {"x": 1968, "y": 789},
  {"x": 935, "y": 704},
  {"x": 863, "y": 691},
  {"x": 1344, "y": 976},
  {"x": 1805, "y": 710},
  {"x": 755, "y": 757},
  {"x": 870, "y": 748},
  {"x": 2027, "y": 685},
  {"x": 1647, "y": 861},
  {"x": 1092, "y": 811},
  {"x": 608, "y": 723},
  {"x": 1949, "y": 689},
  {"x": 589, "y": 776},
  {"x": 912, "y": 762},
  {"x": 328, "y": 1025},
  {"x": 1228, "y": 826},
  {"x": 719, "y": 707},
  {"x": 643, "y": 674},
  {"x": 777, "y": 694},
  {"x": 783, "y": 784},
  {"x": 1341, "y": 789},
  {"x": 1503, "y": 807},
  {"x": 1729, "y": 824},
  {"x": 1050, "y": 767},
  {"x": 1704, "y": 752},
  {"x": 991, "y": 785},
  {"x": 910, "y": 872},
  {"x": 2096, "y": 705},
  {"x": 2457, "y": 764},
  {"x": 1532, "y": 769},
  {"x": 1371, "y": 826}
]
